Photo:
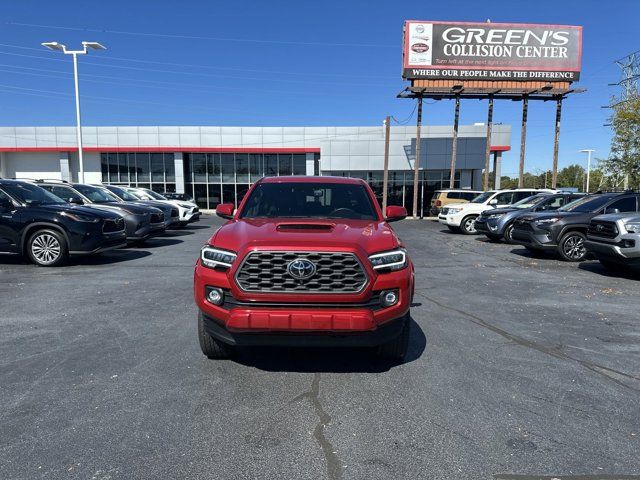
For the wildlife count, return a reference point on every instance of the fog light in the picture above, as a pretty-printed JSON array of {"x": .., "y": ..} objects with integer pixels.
[
  {"x": 215, "y": 296},
  {"x": 389, "y": 298}
]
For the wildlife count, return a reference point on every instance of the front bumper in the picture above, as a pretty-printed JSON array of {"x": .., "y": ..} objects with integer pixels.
[
  {"x": 101, "y": 244},
  {"x": 326, "y": 317},
  {"x": 147, "y": 231},
  {"x": 450, "y": 220},
  {"x": 491, "y": 226},
  {"x": 614, "y": 251},
  {"x": 317, "y": 338},
  {"x": 536, "y": 238}
]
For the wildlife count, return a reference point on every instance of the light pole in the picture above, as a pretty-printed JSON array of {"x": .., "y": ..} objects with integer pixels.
[
  {"x": 62, "y": 48},
  {"x": 588, "y": 152}
]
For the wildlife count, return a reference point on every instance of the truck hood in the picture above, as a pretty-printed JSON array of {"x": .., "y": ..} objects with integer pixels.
[{"x": 367, "y": 235}]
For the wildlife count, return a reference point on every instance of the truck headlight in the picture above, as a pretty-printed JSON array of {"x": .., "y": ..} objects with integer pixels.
[
  {"x": 453, "y": 211},
  {"x": 393, "y": 260},
  {"x": 495, "y": 215},
  {"x": 216, "y": 258},
  {"x": 632, "y": 227}
]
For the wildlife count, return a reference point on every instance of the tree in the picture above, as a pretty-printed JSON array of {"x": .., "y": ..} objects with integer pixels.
[
  {"x": 572, "y": 176},
  {"x": 624, "y": 159}
]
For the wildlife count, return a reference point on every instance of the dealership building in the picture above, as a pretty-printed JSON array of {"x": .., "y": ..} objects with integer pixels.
[{"x": 218, "y": 164}]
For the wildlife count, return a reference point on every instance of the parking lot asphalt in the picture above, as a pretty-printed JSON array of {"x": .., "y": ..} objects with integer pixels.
[{"x": 518, "y": 366}]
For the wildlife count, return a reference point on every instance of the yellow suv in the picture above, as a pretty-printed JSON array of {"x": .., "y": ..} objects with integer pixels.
[{"x": 443, "y": 197}]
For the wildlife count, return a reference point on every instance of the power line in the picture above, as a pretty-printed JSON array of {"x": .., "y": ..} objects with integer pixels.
[
  {"x": 202, "y": 74},
  {"x": 192, "y": 65},
  {"x": 87, "y": 77},
  {"x": 199, "y": 37}
]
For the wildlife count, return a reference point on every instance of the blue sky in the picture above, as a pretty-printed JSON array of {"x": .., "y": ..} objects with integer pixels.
[{"x": 285, "y": 63}]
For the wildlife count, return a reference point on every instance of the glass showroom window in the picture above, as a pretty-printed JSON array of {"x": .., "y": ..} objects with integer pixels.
[
  {"x": 148, "y": 170},
  {"x": 215, "y": 178}
]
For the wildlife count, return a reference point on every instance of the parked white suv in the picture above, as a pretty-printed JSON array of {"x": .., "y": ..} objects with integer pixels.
[
  {"x": 188, "y": 211},
  {"x": 461, "y": 217}
]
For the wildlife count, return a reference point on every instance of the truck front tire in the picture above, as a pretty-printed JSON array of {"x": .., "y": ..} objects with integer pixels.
[
  {"x": 397, "y": 348},
  {"x": 211, "y": 347}
]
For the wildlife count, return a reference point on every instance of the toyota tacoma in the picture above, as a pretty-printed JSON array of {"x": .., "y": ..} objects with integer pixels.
[{"x": 305, "y": 261}]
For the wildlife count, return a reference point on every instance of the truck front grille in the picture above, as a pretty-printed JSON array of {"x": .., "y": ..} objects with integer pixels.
[
  {"x": 600, "y": 228},
  {"x": 268, "y": 271}
]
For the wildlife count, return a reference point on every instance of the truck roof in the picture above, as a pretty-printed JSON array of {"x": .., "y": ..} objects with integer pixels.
[{"x": 312, "y": 179}]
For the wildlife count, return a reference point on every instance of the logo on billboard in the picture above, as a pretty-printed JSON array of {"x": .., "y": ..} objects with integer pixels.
[{"x": 419, "y": 47}]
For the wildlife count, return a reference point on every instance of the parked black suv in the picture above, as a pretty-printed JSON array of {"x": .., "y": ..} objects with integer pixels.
[
  {"x": 565, "y": 229},
  {"x": 141, "y": 221},
  {"x": 35, "y": 223},
  {"x": 497, "y": 223}
]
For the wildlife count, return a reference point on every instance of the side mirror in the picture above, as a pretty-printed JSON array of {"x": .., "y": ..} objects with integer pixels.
[
  {"x": 493, "y": 202},
  {"x": 6, "y": 205},
  {"x": 75, "y": 201},
  {"x": 225, "y": 210},
  {"x": 395, "y": 213},
  {"x": 613, "y": 210}
]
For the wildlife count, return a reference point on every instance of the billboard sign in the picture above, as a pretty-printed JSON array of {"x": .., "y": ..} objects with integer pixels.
[{"x": 491, "y": 51}]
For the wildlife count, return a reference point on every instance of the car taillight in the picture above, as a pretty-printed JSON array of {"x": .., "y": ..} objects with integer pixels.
[{"x": 438, "y": 203}]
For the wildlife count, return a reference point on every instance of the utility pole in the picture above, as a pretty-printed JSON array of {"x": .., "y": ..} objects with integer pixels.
[
  {"x": 416, "y": 162},
  {"x": 523, "y": 141},
  {"x": 385, "y": 177},
  {"x": 454, "y": 145},
  {"x": 556, "y": 144},
  {"x": 487, "y": 153}
]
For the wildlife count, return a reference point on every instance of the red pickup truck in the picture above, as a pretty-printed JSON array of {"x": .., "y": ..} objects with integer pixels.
[{"x": 305, "y": 261}]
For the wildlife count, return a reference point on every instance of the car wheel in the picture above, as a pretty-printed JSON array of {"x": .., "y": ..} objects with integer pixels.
[
  {"x": 211, "y": 347},
  {"x": 397, "y": 348},
  {"x": 47, "y": 248},
  {"x": 508, "y": 234},
  {"x": 468, "y": 225},
  {"x": 453, "y": 229},
  {"x": 571, "y": 247}
]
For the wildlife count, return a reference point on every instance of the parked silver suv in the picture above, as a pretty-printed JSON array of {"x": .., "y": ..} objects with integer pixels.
[{"x": 615, "y": 239}]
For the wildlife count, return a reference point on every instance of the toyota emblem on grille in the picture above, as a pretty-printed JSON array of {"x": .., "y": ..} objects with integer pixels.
[{"x": 301, "y": 269}]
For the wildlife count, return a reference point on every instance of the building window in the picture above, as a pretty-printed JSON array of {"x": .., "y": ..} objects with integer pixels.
[
  {"x": 284, "y": 164},
  {"x": 216, "y": 178},
  {"x": 147, "y": 170}
]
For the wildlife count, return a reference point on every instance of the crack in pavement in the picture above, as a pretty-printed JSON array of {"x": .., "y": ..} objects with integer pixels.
[
  {"x": 551, "y": 351},
  {"x": 334, "y": 466}
]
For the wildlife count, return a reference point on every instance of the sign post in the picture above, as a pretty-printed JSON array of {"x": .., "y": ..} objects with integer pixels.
[{"x": 416, "y": 162}]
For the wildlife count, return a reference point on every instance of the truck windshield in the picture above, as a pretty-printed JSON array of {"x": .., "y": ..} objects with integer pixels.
[{"x": 309, "y": 200}]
